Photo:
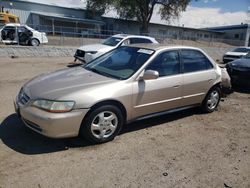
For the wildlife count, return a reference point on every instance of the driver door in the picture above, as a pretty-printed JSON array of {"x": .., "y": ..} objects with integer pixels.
[{"x": 163, "y": 93}]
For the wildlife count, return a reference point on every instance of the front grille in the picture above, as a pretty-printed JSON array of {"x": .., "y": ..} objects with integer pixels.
[
  {"x": 80, "y": 53},
  {"x": 23, "y": 98}
]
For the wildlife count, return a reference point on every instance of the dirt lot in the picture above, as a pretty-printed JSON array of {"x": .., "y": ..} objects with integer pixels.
[{"x": 184, "y": 149}]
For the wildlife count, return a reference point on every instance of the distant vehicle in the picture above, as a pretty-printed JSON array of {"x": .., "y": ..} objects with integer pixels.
[
  {"x": 235, "y": 54},
  {"x": 125, "y": 84},
  {"x": 6, "y": 17},
  {"x": 239, "y": 71},
  {"x": 22, "y": 34},
  {"x": 87, "y": 53}
]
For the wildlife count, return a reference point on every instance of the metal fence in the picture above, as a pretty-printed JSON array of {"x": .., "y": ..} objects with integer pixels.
[{"x": 76, "y": 36}]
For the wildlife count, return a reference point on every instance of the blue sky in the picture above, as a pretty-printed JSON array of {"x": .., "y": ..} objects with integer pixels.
[
  {"x": 225, "y": 5},
  {"x": 211, "y": 13}
]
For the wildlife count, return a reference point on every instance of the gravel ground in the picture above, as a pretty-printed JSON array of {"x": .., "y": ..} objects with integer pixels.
[{"x": 184, "y": 149}]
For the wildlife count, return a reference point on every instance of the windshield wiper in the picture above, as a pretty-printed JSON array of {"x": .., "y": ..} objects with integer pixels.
[{"x": 104, "y": 73}]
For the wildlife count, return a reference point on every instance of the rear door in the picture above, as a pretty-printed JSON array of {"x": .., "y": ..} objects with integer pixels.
[
  {"x": 198, "y": 76},
  {"x": 163, "y": 93}
]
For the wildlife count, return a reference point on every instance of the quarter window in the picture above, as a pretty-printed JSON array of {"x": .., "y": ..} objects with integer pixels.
[
  {"x": 194, "y": 60},
  {"x": 166, "y": 64}
]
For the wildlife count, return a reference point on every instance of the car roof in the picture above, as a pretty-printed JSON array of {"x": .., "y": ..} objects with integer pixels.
[
  {"x": 157, "y": 47},
  {"x": 12, "y": 24},
  {"x": 130, "y": 36}
]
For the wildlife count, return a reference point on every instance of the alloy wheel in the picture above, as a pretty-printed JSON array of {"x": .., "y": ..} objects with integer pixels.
[{"x": 104, "y": 124}]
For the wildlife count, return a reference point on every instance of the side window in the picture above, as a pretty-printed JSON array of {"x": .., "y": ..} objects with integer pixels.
[
  {"x": 139, "y": 40},
  {"x": 22, "y": 29},
  {"x": 9, "y": 28},
  {"x": 194, "y": 61},
  {"x": 166, "y": 64}
]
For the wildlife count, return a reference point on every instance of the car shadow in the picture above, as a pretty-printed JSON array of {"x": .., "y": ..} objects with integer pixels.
[{"x": 15, "y": 135}]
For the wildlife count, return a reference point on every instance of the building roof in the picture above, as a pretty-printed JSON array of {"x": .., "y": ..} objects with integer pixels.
[
  {"x": 67, "y": 17},
  {"x": 228, "y": 27},
  {"x": 172, "y": 26},
  {"x": 57, "y": 3}
]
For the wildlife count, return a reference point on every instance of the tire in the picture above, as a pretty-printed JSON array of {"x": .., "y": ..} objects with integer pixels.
[
  {"x": 212, "y": 100},
  {"x": 34, "y": 42},
  {"x": 102, "y": 124}
]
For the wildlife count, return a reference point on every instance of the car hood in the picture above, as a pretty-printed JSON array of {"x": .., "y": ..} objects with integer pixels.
[
  {"x": 241, "y": 63},
  {"x": 61, "y": 83},
  {"x": 236, "y": 53},
  {"x": 96, "y": 47}
]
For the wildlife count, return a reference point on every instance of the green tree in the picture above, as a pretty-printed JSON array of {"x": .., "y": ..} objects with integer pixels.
[{"x": 140, "y": 10}]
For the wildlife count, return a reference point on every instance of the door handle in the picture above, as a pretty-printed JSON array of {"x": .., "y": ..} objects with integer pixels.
[{"x": 210, "y": 80}]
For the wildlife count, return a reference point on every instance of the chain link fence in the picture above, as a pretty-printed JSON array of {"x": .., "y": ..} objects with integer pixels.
[{"x": 76, "y": 36}]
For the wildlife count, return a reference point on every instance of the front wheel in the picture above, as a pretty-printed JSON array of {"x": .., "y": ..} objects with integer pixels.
[
  {"x": 102, "y": 124},
  {"x": 34, "y": 42},
  {"x": 212, "y": 100}
]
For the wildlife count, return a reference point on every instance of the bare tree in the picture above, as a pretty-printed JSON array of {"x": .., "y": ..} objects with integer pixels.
[{"x": 140, "y": 10}]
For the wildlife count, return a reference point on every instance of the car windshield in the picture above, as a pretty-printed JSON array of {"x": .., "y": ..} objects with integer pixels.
[
  {"x": 243, "y": 50},
  {"x": 120, "y": 63},
  {"x": 112, "y": 41}
]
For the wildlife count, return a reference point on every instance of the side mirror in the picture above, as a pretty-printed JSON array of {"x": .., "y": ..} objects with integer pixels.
[{"x": 150, "y": 75}]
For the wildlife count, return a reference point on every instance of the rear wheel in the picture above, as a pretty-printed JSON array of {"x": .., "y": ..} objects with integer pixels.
[
  {"x": 212, "y": 100},
  {"x": 102, "y": 124}
]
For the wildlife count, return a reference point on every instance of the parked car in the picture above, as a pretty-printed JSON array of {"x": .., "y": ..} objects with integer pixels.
[
  {"x": 87, "y": 53},
  {"x": 14, "y": 33},
  {"x": 235, "y": 54},
  {"x": 128, "y": 83},
  {"x": 239, "y": 71}
]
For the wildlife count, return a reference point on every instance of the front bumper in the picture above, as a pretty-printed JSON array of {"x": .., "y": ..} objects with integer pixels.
[
  {"x": 85, "y": 57},
  {"x": 53, "y": 125}
]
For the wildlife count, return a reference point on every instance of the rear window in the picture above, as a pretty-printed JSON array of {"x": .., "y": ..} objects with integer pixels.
[
  {"x": 139, "y": 40},
  {"x": 194, "y": 60}
]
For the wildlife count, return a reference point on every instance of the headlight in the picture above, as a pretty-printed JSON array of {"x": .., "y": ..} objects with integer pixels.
[{"x": 54, "y": 106}]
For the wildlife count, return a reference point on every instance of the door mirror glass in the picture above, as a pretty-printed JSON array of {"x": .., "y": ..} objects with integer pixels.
[{"x": 150, "y": 75}]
